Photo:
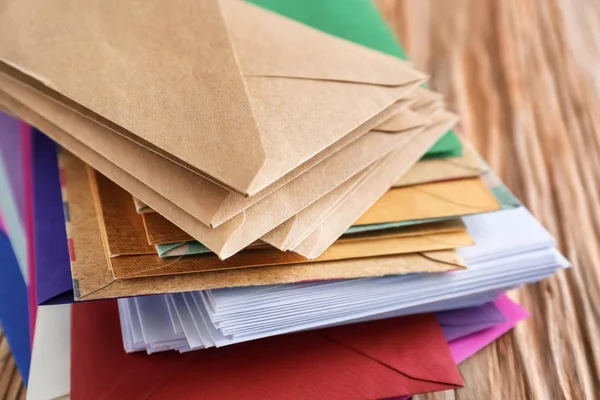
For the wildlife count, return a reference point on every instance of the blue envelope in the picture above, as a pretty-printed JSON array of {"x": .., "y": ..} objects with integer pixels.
[
  {"x": 54, "y": 284},
  {"x": 14, "y": 312}
]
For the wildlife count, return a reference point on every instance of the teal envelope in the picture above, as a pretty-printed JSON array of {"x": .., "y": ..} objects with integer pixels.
[{"x": 358, "y": 21}]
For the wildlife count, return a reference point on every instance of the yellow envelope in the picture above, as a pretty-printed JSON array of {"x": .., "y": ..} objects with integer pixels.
[
  {"x": 94, "y": 279},
  {"x": 468, "y": 165},
  {"x": 432, "y": 200},
  {"x": 233, "y": 85}
]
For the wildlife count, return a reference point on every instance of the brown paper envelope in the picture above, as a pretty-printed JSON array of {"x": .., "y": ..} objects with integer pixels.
[
  {"x": 468, "y": 165},
  {"x": 211, "y": 204},
  {"x": 121, "y": 227},
  {"x": 312, "y": 217},
  {"x": 289, "y": 234},
  {"x": 370, "y": 191},
  {"x": 176, "y": 94},
  {"x": 403, "y": 121},
  {"x": 432, "y": 200},
  {"x": 245, "y": 228},
  {"x": 93, "y": 278},
  {"x": 409, "y": 123}
]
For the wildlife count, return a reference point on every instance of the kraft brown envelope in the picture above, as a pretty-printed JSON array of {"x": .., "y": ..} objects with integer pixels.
[
  {"x": 432, "y": 200},
  {"x": 232, "y": 85},
  {"x": 245, "y": 228},
  {"x": 289, "y": 234},
  {"x": 468, "y": 165},
  {"x": 204, "y": 200},
  {"x": 348, "y": 211},
  {"x": 408, "y": 122},
  {"x": 93, "y": 278},
  {"x": 130, "y": 258}
]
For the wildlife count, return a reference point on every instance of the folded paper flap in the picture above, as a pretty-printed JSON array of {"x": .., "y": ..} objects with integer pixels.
[
  {"x": 409, "y": 356},
  {"x": 124, "y": 63},
  {"x": 485, "y": 314},
  {"x": 405, "y": 120},
  {"x": 290, "y": 49},
  {"x": 449, "y": 257}
]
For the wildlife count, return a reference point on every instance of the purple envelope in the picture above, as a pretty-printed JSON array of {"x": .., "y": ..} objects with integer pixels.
[
  {"x": 53, "y": 269},
  {"x": 10, "y": 153},
  {"x": 463, "y": 322}
]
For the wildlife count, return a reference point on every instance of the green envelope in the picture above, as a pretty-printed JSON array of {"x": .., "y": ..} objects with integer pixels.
[{"x": 360, "y": 22}]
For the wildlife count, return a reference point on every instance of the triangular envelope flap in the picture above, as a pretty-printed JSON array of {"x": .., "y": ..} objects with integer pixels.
[
  {"x": 306, "y": 93},
  {"x": 414, "y": 353},
  {"x": 162, "y": 73},
  {"x": 268, "y": 44},
  {"x": 406, "y": 120}
]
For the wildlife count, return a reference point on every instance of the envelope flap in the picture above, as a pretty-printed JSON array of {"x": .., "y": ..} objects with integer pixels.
[
  {"x": 405, "y": 120},
  {"x": 140, "y": 68},
  {"x": 268, "y": 44},
  {"x": 412, "y": 354}
]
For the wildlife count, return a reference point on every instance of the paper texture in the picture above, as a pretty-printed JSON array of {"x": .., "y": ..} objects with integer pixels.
[
  {"x": 93, "y": 279},
  {"x": 274, "y": 75},
  {"x": 468, "y": 165}
]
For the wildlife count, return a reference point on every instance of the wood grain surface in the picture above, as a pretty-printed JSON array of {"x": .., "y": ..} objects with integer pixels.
[{"x": 525, "y": 77}]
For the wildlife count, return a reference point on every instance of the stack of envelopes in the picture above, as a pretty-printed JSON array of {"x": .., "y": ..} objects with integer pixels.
[{"x": 232, "y": 172}]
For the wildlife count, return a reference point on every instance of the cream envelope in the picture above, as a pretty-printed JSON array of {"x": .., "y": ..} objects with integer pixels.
[
  {"x": 212, "y": 85},
  {"x": 93, "y": 278},
  {"x": 257, "y": 220},
  {"x": 468, "y": 165},
  {"x": 348, "y": 211}
]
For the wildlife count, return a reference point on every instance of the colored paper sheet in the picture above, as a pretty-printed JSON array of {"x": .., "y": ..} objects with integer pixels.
[
  {"x": 54, "y": 284},
  {"x": 14, "y": 315},
  {"x": 358, "y": 21}
]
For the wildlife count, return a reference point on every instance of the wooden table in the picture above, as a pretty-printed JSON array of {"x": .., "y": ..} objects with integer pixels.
[{"x": 525, "y": 77}]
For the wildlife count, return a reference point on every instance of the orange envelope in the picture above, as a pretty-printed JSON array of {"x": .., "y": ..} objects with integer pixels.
[
  {"x": 432, "y": 200},
  {"x": 170, "y": 92},
  {"x": 94, "y": 279}
]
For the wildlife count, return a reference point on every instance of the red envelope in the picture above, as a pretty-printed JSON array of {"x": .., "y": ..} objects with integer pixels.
[{"x": 370, "y": 360}]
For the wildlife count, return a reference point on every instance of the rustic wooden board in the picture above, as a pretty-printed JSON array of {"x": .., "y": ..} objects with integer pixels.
[{"x": 525, "y": 77}]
